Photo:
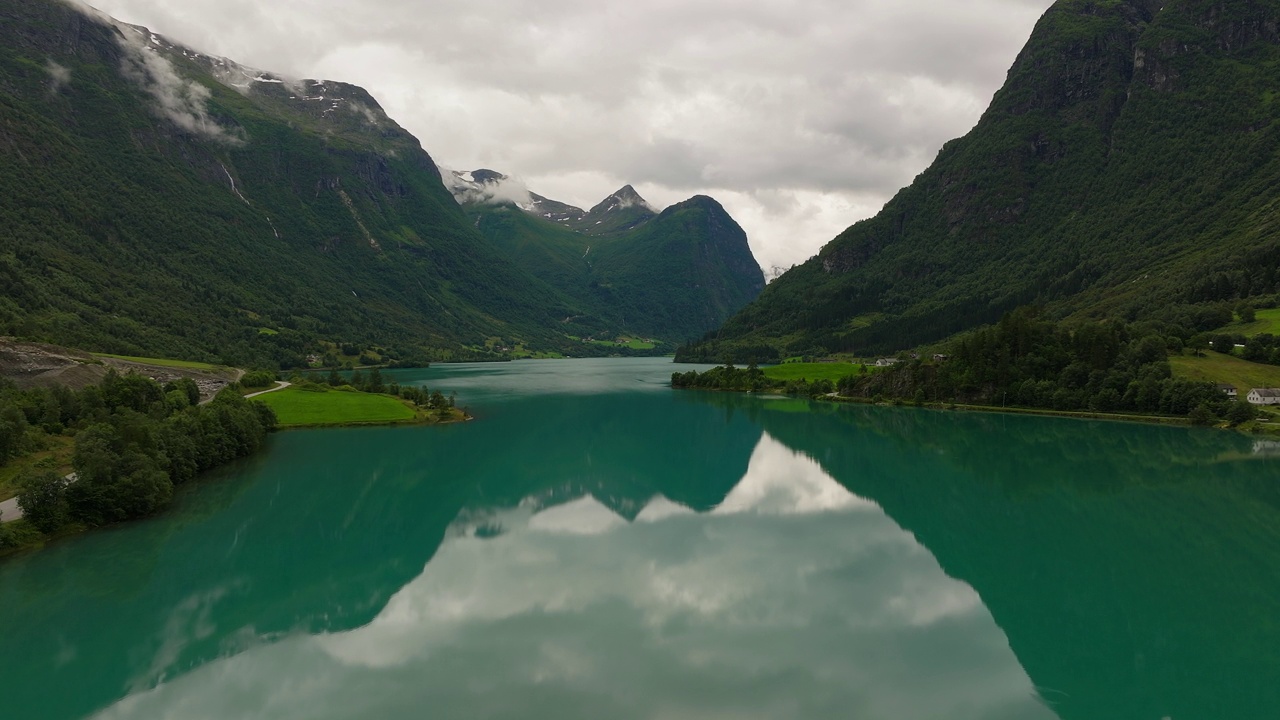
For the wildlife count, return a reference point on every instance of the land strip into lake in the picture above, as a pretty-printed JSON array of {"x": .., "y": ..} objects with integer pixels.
[{"x": 314, "y": 406}]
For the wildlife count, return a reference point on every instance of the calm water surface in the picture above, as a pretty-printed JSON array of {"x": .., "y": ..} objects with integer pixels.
[{"x": 596, "y": 545}]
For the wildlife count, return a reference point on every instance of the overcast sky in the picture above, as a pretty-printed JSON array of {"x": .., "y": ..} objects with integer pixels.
[{"x": 800, "y": 116}]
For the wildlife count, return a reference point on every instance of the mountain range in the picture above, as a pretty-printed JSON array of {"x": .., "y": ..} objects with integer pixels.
[
  {"x": 675, "y": 273},
  {"x": 1127, "y": 169},
  {"x": 162, "y": 201}
]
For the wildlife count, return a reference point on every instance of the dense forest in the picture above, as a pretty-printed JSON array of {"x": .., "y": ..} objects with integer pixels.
[
  {"x": 1028, "y": 361},
  {"x": 134, "y": 441}
]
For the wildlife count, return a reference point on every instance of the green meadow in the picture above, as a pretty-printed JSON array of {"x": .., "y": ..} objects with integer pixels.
[
  {"x": 1220, "y": 368},
  {"x": 315, "y": 407},
  {"x": 1266, "y": 321},
  {"x": 812, "y": 371}
]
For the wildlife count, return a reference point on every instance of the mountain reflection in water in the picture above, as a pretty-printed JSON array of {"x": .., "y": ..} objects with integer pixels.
[{"x": 792, "y": 598}]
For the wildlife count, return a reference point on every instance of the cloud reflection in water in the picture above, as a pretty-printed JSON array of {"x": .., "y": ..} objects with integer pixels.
[{"x": 794, "y": 598}]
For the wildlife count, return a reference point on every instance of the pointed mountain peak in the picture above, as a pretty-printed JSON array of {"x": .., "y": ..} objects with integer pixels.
[{"x": 624, "y": 198}]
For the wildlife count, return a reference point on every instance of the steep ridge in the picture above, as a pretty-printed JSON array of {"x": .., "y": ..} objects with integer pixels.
[
  {"x": 671, "y": 275},
  {"x": 1127, "y": 168},
  {"x": 161, "y": 201}
]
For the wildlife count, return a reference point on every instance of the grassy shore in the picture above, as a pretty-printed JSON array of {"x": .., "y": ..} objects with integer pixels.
[{"x": 311, "y": 406}]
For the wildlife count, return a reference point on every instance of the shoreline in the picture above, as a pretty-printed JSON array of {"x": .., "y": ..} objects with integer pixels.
[
  {"x": 29, "y": 539},
  {"x": 1168, "y": 420},
  {"x": 424, "y": 422},
  {"x": 1251, "y": 428}
]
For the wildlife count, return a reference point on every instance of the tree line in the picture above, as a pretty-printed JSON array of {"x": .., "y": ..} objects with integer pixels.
[
  {"x": 1027, "y": 361},
  {"x": 134, "y": 441},
  {"x": 373, "y": 382}
]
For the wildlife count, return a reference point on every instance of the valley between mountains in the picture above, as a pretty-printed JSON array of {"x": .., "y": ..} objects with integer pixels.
[
  {"x": 165, "y": 202},
  {"x": 1119, "y": 190}
]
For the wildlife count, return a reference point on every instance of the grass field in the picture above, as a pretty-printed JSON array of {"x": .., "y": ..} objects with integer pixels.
[
  {"x": 812, "y": 371},
  {"x": 296, "y": 407},
  {"x": 1268, "y": 321},
  {"x": 56, "y": 458},
  {"x": 160, "y": 362},
  {"x": 1219, "y": 368}
]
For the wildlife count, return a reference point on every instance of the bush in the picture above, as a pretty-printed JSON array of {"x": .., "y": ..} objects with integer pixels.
[
  {"x": 43, "y": 500},
  {"x": 258, "y": 379},
  {"x": 1240, "y": 412},
  {"x": 1201, "y": 415}
]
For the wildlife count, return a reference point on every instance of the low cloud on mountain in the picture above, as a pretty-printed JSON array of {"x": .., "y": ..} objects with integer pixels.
[{"x": 800, "y": 117}]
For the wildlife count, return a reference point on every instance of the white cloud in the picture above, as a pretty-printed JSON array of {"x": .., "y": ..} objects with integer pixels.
[
  {"x": 506, "y": 190},
  {"x": 183, "y": 102},
  {"x": 58, "y": 76},
  {"x": 800, "y": 117}
]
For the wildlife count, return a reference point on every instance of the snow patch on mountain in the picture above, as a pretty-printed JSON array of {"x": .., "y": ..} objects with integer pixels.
[{"x": 625, "y": 198}]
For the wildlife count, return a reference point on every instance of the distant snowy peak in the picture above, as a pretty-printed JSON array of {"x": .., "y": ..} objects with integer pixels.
[
  {"x": 487, "y": 187},
  {"x": 556, "y": 211},
  {"x": 625, "y": 198},
  {"x": 490, "y": 187}
]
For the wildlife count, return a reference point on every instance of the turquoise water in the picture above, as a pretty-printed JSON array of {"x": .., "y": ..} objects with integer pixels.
[{"x": 596, "y": 545}]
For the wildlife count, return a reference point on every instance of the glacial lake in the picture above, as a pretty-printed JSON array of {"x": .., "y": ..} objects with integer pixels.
[{"x": 596, "y": 545}]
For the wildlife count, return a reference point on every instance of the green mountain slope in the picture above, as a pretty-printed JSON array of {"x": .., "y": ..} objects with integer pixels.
[
  {"x": 681, "y": 273},
  {"x": 1127, "y": 168},
  {"x": 162, "y": 202},
  {"x": 627, "y": 269}
]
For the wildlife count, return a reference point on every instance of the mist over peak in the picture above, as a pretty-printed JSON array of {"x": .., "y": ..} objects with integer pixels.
[{"x": 486, "y": 187}]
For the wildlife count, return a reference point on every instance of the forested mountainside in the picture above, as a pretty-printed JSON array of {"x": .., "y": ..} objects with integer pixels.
[
  {"x": 164, "y": 202},
  {"x": 671, "y": 275},
  {"x": 1127, "y": 169}
]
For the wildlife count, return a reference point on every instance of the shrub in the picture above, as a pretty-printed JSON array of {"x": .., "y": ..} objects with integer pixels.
[{"x": 44, "y": 500}]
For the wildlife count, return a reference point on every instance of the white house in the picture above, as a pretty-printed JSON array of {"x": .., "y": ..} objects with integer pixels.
[
  {"x": 1229, "y": 390},
  {"x": 1265, "y": 396},
  {"x": 886, "y": 362}
]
